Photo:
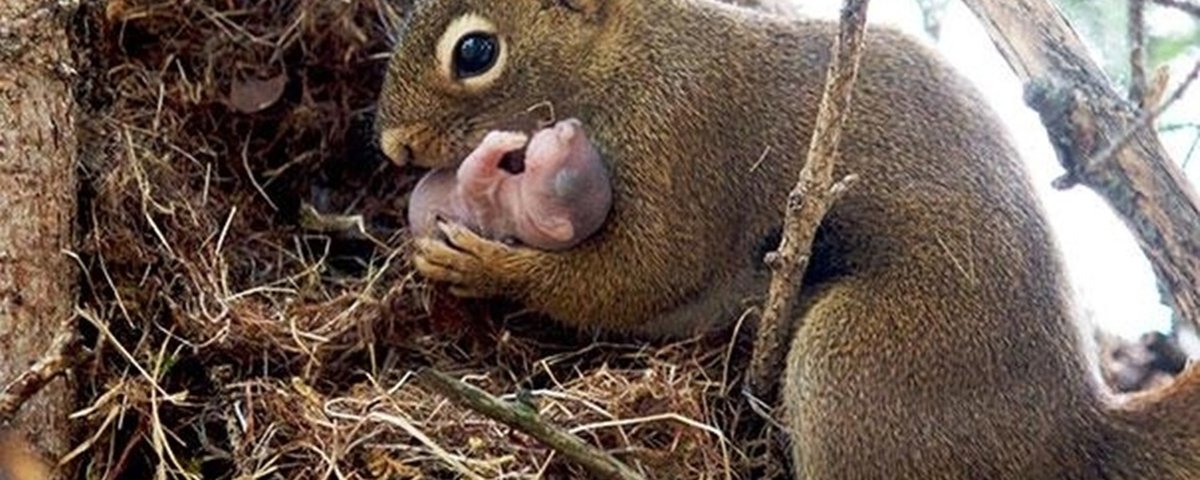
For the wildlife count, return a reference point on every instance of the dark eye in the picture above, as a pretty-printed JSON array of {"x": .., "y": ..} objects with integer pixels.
[{"x": 475, "y": 54}]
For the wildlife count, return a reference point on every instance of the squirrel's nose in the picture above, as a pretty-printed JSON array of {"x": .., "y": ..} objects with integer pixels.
[{"x": 395, "y": 143}]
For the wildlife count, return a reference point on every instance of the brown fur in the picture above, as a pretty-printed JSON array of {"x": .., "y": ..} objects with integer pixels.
[{"x": 938, "y": 339}]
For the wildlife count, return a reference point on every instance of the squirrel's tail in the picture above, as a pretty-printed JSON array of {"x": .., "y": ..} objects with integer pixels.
[{"x": 1158, "y": 431}]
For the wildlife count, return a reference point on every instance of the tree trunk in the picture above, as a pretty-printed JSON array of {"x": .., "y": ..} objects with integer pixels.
[{"x": 37, "y": 201}]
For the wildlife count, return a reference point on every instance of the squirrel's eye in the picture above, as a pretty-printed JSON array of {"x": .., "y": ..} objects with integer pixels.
[{"x": 475, "y": 54}]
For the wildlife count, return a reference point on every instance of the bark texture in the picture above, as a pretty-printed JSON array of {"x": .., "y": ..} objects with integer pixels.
[{"x": 37, "y": 198}]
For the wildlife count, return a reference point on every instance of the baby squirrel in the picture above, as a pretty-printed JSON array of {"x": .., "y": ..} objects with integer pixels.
[
  {"x": 938, "y": 337},
  {"x": 555, "y": 194}
]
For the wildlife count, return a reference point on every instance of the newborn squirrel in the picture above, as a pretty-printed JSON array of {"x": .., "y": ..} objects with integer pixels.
[
  {"x": 557, "y": 197},
  {"x": 938, "y": 337}
]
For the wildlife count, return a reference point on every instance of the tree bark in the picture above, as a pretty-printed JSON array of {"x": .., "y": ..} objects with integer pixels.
[
  {"x": 38, "y": 201},
  {"x": 1103, "y": 140}
]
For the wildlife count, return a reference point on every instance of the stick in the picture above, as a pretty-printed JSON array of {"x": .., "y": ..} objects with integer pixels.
[
  {"x": 808, "y": 203},
  {"x": 1137, "y": 55},
  {"x": 527, "y": 420}
]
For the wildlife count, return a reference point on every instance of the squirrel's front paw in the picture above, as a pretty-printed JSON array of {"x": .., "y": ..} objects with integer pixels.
[{"x": 471, "y": 265}]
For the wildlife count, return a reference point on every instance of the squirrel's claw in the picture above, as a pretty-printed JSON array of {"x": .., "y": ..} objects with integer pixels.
[
  {"x": 472, "y": 266},
  {"x": 427, "y": 248}
]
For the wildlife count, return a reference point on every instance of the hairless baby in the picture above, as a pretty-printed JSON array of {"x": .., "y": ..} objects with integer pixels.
[{"x": 560, "y": 198}]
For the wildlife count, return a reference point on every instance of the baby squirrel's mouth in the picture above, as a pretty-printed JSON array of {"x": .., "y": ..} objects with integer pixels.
[{"x": 514, "y": 162}]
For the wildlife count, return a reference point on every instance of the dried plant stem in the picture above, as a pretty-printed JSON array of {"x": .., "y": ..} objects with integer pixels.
[
  {"x": 527, "y": 420},
  {"x": 808, "y": 203}
]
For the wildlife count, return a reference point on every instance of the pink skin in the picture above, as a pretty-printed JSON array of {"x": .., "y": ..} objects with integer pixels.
[{"x": 560, "y": 199}]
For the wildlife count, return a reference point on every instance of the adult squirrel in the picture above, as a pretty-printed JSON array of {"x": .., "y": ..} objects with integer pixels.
[{"x": 938, "y": 338}]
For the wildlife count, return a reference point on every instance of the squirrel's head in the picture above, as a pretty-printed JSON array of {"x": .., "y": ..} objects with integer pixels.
[{"x": 463, "y": 67}]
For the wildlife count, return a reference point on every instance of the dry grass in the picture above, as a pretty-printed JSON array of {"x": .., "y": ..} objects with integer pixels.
[{"x": 237, "y": 336}]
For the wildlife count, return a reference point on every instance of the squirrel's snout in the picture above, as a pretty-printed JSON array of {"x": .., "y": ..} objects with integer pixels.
[
  {"x": 420, "y": 145},
  {"x": 396, "y": 145}
]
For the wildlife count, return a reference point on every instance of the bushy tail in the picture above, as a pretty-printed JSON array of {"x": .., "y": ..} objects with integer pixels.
[{"x": 1159, "y": 431}]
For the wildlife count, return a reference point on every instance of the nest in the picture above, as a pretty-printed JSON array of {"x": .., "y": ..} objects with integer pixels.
[{"x": 247, "y": 292}]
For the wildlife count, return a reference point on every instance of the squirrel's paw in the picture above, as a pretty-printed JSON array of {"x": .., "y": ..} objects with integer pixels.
[{"x": 472, "y": 266}]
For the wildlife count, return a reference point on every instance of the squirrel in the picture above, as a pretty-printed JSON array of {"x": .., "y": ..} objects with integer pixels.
[
  {"x": 549, "y": 192},
  {"x": 938, "y": 339}
]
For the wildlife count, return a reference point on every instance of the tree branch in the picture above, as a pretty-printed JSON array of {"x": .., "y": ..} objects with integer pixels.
[
  {"x": 56, "y": 362},
  {"x": 807, "y": 204},
  {"x": 527, "y": 420},
  {"x": 1088, "y": 121},
  {"x": 1137, "y": 53}
]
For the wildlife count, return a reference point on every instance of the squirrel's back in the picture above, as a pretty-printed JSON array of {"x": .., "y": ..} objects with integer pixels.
[
  {"x": 938, "y": 336},
  {"x": 939, "y": 339}
]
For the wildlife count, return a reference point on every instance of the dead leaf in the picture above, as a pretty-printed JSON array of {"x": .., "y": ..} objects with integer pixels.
[{"x": 253, "y": 95}]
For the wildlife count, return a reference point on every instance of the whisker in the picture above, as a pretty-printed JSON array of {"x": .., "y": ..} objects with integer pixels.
[{"x": 549, "y": 106}]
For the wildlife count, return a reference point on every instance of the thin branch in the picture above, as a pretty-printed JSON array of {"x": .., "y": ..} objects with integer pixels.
[
  {"x": 1137, "y": 53},
  {"x": 56, "y": 362},
  {"x": 1174, "y": 127},
  {"x": 527, "y": 420},
  {"x": 1145, "y": 121},
  {"x": 1191, "y": 153},
  {"x": 807, "y": 204}
]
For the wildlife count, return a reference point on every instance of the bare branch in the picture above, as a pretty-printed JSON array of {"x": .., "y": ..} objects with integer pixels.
[
  {"x": 527, "y": 420},
  {"x": 1146, "y": 120},
  {"x": 1137, "y": 52},
  {"x": 56, "y": 362},
  {"x": 807, "y": 203}
]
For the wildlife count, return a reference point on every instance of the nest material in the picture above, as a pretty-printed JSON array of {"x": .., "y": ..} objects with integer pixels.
[
  {"x": 247, "y": 294},
  {"x": 240, "y": 333}
]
